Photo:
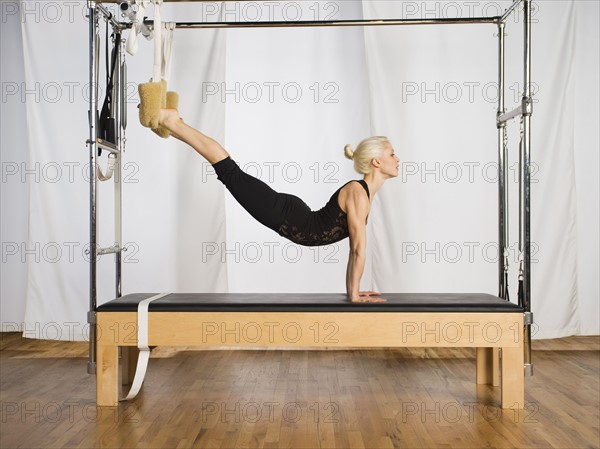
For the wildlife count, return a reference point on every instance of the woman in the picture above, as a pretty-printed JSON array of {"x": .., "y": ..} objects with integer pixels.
[{"x": 345, "y": 215}]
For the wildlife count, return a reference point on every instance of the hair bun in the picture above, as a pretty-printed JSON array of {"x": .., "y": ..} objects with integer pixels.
[{"x": 349, "y": 152}]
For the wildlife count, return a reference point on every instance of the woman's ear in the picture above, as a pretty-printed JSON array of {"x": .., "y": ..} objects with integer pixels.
[{"x": 376, "y": 163}]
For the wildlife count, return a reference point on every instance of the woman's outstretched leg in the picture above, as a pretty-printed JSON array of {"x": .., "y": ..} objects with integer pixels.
[
  {"x": 208, "y": 148},
  {"x": 262, "y": 202}
]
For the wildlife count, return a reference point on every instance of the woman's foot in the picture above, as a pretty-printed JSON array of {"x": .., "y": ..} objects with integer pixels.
[{"x": 169, "y": 118}]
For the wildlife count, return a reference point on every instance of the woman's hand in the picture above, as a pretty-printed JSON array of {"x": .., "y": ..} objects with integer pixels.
[
  {"x": 368, "y": 297},
  {"x": 369, "y": 293}
]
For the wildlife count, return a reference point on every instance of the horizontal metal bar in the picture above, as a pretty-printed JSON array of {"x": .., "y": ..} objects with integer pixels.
[
  {"x": 503, "y": 118},
  {"x": 510, "y": 10},
  {"x": 183, "y": 1},
  {"x": 112, "y": 250},
  {"x": 333, "y": 23},
  {"x": 108, "y": 146}
]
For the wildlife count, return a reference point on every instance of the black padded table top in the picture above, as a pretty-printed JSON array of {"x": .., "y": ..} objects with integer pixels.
[{"x": 313, "y": 302}]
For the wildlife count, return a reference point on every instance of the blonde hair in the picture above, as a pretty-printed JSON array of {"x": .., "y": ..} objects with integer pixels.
[{"x": 369, "y": 149}]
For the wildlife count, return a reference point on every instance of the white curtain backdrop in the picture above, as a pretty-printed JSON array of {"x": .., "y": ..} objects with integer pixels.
[
  {"x": 438, "y": 100},
  {"x": 302, "y": 97},
  {"x": 166, "y": 203},
  {"x": 285, "y": 102}
]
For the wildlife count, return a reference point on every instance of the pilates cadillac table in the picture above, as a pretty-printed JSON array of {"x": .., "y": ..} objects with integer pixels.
[{"x": 492, "y": 325}]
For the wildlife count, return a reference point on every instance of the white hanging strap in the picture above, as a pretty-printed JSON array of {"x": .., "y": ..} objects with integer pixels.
[
  {"x": 142, "y": 338},
  {"x": 169, "y": 28},
  {"x": 132, "y": 40},
  {"x": 132, "y": 43},
  {"x": 110, "y": 169},
  {"x": 157, "y": 73}
]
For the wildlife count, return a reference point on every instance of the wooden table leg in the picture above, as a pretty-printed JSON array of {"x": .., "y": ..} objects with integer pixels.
[
  {"x": 107, "y": 376},
  {"x": 488, "y": 366},
  {"x": 513, "y": 378}
]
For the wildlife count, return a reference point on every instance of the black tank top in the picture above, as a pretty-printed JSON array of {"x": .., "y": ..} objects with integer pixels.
[{"x": 317, "y": 228}]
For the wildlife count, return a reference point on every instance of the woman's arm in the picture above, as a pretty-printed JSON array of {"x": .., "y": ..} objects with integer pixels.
[{"x": 356, "y": 204}]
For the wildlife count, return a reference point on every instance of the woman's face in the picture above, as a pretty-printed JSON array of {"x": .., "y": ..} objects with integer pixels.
[{"x": 389, "y": 162}]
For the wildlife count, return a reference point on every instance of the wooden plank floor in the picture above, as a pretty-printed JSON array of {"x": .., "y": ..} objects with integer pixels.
[{"x": 404, "y": 398}]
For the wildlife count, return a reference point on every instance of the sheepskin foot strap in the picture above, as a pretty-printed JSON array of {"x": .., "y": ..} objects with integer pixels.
[
  {"x": 151, "y": 102},
  {"x": 153, "y": 98}
]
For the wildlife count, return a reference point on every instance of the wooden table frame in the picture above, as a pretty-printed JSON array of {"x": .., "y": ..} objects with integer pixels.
[{"x": 488, "y": 332}]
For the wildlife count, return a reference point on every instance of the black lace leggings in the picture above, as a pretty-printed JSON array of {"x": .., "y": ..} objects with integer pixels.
[{"x": 267, "y": 206}]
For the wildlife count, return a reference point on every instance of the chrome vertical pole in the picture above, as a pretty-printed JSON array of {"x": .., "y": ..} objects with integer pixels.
[
  {"x": 525, "y": 192},
  {"x": 502, "y": 173},
  {"x": 93, "y": 27}
]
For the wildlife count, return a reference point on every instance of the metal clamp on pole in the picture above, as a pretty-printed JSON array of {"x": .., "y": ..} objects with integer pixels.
[
  {"x": 499, "y": 123},
  {"x": 527, "y": 106}
]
